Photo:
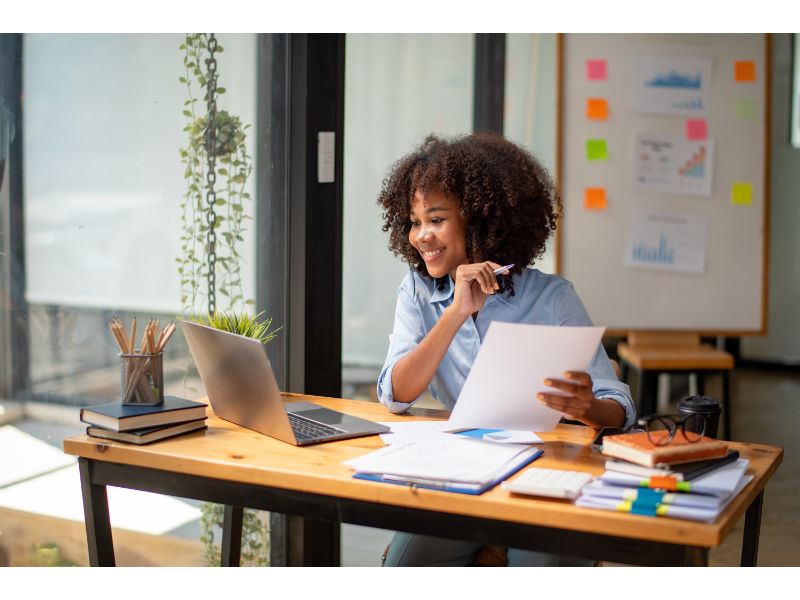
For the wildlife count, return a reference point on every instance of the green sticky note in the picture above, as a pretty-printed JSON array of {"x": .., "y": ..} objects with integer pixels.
[
  {"x": 746, "y": 108},
  {"x": 741, "y": 193},
  {"x": 596, "y": 150}
]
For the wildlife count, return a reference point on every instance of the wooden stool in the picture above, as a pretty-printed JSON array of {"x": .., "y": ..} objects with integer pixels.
[{"x": 652, "y": 353}]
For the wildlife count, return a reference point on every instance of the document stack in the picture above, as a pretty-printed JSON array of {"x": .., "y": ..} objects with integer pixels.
[
  {"x": 144, "y": 424},
  {"x": 700, "y": 499},
  {"x": 444, "y": 461}
]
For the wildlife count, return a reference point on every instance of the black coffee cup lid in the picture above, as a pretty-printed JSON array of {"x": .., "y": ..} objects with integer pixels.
[{"x": 699, "y": 404}]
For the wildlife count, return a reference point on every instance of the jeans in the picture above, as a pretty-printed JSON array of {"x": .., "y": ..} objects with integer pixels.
[{"x": 413, "y": 550}]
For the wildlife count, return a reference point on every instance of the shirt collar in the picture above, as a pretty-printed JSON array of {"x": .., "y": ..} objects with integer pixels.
[{"x": 448, "y": 289}]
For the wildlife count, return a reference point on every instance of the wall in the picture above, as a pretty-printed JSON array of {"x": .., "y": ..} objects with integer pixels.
[{"x": 782, "y": 344}]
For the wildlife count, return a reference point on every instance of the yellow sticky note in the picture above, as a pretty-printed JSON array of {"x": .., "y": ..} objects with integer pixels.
[
  {"x": 597, "y": 109},
  {"x": 741, "y": 193},
  {"x": 595, "y": 199},
  {"x": 745, "y": 70},
  {"x": 596, "y": 150}
]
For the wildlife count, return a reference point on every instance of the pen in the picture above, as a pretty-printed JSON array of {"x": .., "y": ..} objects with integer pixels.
[{"x": 501, "y": 269}]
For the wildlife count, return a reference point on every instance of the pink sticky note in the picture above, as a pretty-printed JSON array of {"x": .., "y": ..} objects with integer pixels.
[
  {"x": 596, "y": 70},
  {"x": 696, "y": 129}
]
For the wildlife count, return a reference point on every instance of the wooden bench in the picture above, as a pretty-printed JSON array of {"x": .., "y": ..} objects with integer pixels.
[{"x": 653, "y": 353}]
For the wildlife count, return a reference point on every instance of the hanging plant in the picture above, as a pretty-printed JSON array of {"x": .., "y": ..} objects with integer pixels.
[
  {"x": 213, "y": 217},
  {"x": 217, "y": 167}
]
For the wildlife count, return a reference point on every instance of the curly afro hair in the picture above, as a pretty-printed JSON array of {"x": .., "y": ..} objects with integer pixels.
[{"x": 507, "y": 199}]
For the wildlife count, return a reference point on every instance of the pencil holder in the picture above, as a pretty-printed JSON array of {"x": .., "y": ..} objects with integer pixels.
[{"x": 142, "y": 379}]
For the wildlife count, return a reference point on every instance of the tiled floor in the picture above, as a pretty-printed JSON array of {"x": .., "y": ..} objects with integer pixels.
[{"x": 765, "y": 409}]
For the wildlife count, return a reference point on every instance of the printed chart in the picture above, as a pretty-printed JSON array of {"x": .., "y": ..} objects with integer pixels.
[
  {"x": 667, "y": 241},
  {"x": 673, "y": 165},
  {"x": 671, "y": 86}
]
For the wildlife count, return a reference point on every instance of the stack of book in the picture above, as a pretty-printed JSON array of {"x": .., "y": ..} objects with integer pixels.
[
  {"x": 683, "y": 480},
  {"x": 144, "y": 424}
]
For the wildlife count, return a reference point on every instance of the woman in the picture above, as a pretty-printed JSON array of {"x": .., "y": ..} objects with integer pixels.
[{"x": 456, "y": 211}]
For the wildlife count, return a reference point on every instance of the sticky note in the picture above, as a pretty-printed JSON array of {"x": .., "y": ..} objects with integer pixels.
[
  {"x": 696, "y": 129},
  {"x": 597, "y": 109},
  {"x": 596, "y": 70},
  {"x": 741, "y": 193},
  {"x": 746, "y": 108},
  {"x": 595, "y": 198},
  {"x": 745, "y": 70},
  {"x": 596, "y": 150}
]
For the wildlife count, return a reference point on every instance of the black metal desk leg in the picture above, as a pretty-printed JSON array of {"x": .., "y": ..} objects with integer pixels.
[
  {"x": 98, "y": 522},
  {"x": 648, "y": 392},
  {"x": 232, "y": 517},
  {"x": 752, "y": 530}
]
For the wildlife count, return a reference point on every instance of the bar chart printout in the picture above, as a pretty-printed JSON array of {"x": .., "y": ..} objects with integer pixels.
[{"x": 667, "y": 241}]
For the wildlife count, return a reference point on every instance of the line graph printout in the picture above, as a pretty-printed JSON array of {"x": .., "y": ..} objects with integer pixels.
[
  {"x": 671, "y": 86},
  {"x": 673, "y": 165},
  {"x": 665, "y": 241}
]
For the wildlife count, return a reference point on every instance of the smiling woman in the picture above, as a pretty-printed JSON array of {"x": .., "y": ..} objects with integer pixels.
[{"x": 456, "y": 212}]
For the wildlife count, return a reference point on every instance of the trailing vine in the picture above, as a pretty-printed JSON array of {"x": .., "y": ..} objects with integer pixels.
[{"x": 232, "y": 168}]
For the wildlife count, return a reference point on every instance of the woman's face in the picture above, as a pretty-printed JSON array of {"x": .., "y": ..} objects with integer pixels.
[{"x": 438, "y": 232}]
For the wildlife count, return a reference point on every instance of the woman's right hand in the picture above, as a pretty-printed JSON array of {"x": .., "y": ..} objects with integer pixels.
[{"x": 473, "y": 283}]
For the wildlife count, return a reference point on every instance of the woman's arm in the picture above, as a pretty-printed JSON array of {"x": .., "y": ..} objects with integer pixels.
[{"x": 413, "y": 373}]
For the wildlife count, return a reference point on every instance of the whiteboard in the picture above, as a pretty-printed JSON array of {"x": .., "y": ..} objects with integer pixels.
[{"x": 676, "y": 243}]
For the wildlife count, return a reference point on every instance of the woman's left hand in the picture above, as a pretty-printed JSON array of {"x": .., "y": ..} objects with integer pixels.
[{"x": 575, "y": 396}]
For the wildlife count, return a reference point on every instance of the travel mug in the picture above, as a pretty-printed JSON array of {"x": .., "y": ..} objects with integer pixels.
[{"x": 701, "y": 405}]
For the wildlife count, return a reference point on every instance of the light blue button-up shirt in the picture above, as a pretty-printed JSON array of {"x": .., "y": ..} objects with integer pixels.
[{"x": 539, "y": 299}]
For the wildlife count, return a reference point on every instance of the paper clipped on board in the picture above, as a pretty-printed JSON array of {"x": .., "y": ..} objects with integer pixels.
[{"x": 510, "y": 369}]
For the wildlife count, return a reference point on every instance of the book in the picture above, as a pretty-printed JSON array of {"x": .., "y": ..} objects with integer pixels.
[
  {"x": 118, "y": 417},
  {"x": 681, "y": 472},
  {"x": 637, "y": 448},
  {"x": 717, "y": 483},
  {"x": 148, "y": 434}
]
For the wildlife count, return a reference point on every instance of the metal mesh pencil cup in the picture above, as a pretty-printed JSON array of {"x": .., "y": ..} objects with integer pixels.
[{"x": 142, "y": 379}]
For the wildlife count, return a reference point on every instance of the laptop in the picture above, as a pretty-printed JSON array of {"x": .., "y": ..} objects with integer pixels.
[{"x": 242, "y": 389}]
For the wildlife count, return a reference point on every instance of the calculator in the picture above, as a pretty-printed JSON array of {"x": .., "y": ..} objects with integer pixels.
[{"x": 553, "y": 483}]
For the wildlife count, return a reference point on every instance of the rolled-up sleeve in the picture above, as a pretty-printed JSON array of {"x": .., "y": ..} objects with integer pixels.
[
  {"x": 605, "y": 384},
  {"x": 408, "y": 332}
]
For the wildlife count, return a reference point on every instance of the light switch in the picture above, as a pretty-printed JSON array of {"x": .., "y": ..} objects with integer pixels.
[{"x": 326, "y": 145}]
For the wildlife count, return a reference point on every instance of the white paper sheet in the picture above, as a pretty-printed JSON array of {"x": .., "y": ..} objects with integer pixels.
[
  {"x": 673, "y": 165},
  {"x": 412, "y": 430},
  {"x": 510, "y": 369},
  {"x": 677, "y": 86},
  {"x": 667, "y": 241}
]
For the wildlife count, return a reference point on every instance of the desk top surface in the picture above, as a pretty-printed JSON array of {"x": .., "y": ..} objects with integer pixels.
[{"x": 230, "y": 452}]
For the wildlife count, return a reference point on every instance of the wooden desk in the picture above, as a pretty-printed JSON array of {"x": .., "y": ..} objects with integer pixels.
[{"x": 237, "y": 467}]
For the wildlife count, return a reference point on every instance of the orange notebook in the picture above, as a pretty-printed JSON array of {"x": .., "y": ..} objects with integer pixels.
[{"x": 637, "y": 448}]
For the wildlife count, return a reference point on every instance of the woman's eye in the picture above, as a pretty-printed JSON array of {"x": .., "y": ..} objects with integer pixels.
[
  {"x": 436, "y": 220},
  {"x": 414, "y": 223}
]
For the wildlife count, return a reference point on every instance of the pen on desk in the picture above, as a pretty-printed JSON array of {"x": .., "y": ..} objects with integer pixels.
[{"x": 502, "y": 269}]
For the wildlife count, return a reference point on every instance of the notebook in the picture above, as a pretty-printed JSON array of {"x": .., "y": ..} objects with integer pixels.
[{"x": 119, "y": 417}]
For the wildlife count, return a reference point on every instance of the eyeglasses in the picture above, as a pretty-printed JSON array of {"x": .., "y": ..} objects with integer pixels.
[{"x": 661, "y": 429}]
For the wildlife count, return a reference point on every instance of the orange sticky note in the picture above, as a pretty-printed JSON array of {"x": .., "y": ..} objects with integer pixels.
[
  {"x": 595, "y": 198},
  {"x": 597, "y": 109},
  {"x": 745, "y": 70},
  {"x": 596, "y": 70},
  {"x": 696, "y": 129}
]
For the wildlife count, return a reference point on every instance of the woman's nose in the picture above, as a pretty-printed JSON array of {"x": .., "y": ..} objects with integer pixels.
[{"x": 424, "y": 233}]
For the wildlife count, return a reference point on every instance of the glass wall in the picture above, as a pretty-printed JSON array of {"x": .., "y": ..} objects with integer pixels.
[
  {"x": 102, "y": 130},
  {"x": 530, "y": 104}
]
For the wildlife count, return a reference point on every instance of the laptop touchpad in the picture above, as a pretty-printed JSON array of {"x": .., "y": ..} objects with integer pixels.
[{"x": 323, "y": 415}]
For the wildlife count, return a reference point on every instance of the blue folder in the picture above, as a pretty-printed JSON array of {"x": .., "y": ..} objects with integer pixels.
[{"x": 459, "y": 488}]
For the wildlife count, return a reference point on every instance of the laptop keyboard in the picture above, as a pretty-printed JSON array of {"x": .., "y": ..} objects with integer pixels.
[{"x": 310, "y": 430}]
